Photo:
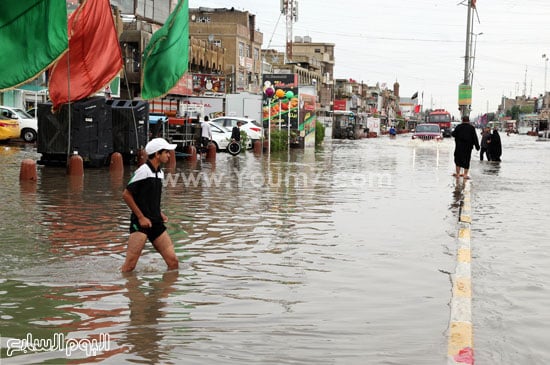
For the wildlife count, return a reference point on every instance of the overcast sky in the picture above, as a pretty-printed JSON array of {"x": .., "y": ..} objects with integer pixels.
[{"x": 421, "y": 43}]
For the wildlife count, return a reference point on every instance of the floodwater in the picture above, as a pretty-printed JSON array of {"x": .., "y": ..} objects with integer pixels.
[{"x": 336, "y": 256}]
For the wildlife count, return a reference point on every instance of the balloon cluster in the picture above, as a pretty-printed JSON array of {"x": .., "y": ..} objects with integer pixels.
[{"x": 269, "y": 91}]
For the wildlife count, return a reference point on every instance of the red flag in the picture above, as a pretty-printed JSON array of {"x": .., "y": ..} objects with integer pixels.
[
  {"x": 417, "y": 108},
  {"x": 94, "y": 56}
]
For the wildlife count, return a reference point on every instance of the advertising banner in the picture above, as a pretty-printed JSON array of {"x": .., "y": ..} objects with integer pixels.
[
  {"x": 280, "y": 103},
  {"x": 340, "y": 104},
  {"x": 307, "y": 118}
]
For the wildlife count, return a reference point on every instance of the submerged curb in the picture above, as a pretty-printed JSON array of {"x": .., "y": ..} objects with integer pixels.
[{"x": 460, "y": 347}]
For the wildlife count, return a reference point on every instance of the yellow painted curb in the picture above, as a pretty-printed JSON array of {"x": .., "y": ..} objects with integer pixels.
[
  {"x": 460, "y": 337},
  {"x": 464, "y": 255},
  {"x": 462, "y": 288},
  {"x": 464, "y": 232}
]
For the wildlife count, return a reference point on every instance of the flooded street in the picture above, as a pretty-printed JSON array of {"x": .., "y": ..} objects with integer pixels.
[{"x": 336, "y": 256}]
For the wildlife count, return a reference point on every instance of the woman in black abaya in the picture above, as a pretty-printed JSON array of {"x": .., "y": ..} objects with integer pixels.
[{"x": 495, "y": 146}]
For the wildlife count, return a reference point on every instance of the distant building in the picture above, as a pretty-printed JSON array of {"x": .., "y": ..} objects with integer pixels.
[
  {"x": 319, "y": 57},
  {"x": 235, "y": 31}
]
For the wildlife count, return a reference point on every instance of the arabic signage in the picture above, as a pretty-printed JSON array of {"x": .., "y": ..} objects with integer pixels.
[{"x": 340, "y": 104}]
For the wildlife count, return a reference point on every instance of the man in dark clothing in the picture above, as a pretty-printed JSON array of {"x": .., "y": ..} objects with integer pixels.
[
  {"x": 465, "y": 136},
  {"x": 236, "y": 132},
  {"x": 495, "y": 146}
]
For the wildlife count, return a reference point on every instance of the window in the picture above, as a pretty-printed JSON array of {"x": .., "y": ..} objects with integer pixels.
[
  {"x": 256, "y": 53},
  {"x": 241, "y": 81},
  {"x": 241, "y": 49}
]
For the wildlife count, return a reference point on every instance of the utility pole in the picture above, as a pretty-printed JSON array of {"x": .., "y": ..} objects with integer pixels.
[
  {"x": 465, "y": 109},
  {"x": 545, "y": 58},
  {"x": 525, "y": 83},
  {"x": 474, "y": 58}
]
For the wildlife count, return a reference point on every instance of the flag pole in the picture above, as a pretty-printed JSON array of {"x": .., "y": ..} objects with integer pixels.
[{"x": 69, "y": 103}]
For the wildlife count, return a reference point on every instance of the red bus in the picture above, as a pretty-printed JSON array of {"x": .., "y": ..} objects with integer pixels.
[{"x": 442, "y": 118}]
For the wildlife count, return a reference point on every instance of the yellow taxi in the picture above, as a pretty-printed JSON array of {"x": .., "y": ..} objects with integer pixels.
[{"x": 9, "y": 128}]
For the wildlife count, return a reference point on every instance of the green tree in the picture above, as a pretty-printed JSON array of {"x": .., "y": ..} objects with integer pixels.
[
  {"x": 279, "y": 140},
  {"x": 513, "y": 112},
  {"x": 319, "y": 133}
]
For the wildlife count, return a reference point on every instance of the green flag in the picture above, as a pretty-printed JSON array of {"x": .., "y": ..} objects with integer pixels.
[
  {"x": 33, "y": 35},
  {"x": 166, "y": 56}
]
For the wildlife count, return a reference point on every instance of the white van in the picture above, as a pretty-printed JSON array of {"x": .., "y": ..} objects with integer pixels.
[{"x": 28, "y": 124}]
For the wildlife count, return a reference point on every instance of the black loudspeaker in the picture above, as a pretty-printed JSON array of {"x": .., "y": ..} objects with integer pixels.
[
  {"x": 90, "y": 125},
  {"x": 130, "y": 126}
]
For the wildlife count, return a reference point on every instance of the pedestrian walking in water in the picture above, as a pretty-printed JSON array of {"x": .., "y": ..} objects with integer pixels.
[
  {"x": 142, "y": 195},
  {"x": 485, "y": 137},
  {"x": 465, "y": 136},
  {"x": 206, "y": 134},
  {"x": 236, "y": 132},
  {"x": 495, "y": 146}
]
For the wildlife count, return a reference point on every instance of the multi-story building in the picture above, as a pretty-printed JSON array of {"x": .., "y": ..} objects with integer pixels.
[
  {"x": 319, "y": 56},
  {"x": 305, "y": 69},
  {"x": 235, "y": 31},
  {"x": 206, "y": 74},
  {"x": 313, "y": 63}
]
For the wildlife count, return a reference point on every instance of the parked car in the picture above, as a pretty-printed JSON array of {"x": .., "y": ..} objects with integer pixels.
[
  {"x": 221, "y": 136},
  {"x": 27, "y": 124},
  {"x": 252, "y": 128},
  {"x": 9, "y": 128},
  {"x": 427, "y": 132}
]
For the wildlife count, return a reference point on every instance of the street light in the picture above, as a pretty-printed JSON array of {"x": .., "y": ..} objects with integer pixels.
[
  {"x": 474, "y": 57},
  {"x": 545, "y": 58}
]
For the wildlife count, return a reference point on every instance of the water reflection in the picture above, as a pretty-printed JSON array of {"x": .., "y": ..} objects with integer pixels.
[
  {"x": 458, "y": 194},
  {"x": 490, "y": 167},
  {"x": 147, "y": 303}
]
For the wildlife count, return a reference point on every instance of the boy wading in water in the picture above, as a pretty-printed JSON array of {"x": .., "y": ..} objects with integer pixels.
[{"x": 142, "y": 195}]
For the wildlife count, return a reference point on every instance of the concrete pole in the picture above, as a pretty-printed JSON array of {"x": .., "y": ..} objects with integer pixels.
[
  {"x": 465, "y": 109},
  {"x": 468, "y": 45}
]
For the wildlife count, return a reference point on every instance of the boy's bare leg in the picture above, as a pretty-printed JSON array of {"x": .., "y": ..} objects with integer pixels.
[
  {"x": 163, "y": 244},
  {"x": 136, "y": 242}
]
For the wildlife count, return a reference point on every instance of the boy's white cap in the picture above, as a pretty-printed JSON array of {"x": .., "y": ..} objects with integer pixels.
[{"x": 157, "y": 144}]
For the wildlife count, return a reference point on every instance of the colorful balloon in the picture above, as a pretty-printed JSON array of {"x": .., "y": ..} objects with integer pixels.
[{"x": 269, "y": 91}]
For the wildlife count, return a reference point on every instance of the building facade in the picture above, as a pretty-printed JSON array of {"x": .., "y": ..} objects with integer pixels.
[
  {"x": 319, "y": 57},
  {"x": 235, "y": 31}
]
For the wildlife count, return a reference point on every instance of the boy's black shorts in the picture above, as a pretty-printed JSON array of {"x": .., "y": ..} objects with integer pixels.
[{"x": 152, "y": 233}]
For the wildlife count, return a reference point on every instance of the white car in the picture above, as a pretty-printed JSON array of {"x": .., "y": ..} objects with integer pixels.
[
  {"x": 27, "y": 124},
  {"x": 252, "y": 128},
  {"x": 221, "y": 136}
]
